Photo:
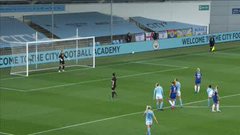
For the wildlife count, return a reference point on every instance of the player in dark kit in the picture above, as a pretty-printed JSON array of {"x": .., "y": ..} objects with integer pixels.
[
  {"x": 61, "y": 61},
  {"x": 211, "y": 44},
  {"x": 114, "y": 85}
]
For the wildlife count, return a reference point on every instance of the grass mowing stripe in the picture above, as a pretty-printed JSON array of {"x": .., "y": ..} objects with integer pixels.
[
  {"x": 104, "y": 79},
  {"x": 154, "y": 59},
  {"x": 3, "y": 133},
  {"x": 73, "y": 70},
  {"x": 98, "y": 80},
  {"x": 115, "y": 117},
  {"x": 200, "y": 53},
  {"x": 157, "y": 64}
]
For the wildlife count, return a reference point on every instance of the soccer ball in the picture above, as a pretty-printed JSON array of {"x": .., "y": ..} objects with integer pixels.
[{"x": 133, "y": 52}]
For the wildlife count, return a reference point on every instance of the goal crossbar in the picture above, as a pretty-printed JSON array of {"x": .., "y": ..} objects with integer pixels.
[{"x": 37, "y": 54}]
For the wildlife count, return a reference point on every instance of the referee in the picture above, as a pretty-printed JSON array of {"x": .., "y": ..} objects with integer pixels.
[
  {"x": 62, "y": 56},
  {"x": 211, "y": 44}
]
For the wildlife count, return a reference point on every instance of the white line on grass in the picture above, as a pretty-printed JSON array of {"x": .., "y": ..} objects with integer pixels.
[
  {"x": 130, "y": 62},
  {"x": 158, "y": 64},
  {"x": 4, "y": 133},
  {"x": 84, "y": 82},
  {"x": 12, "y": 89},
  {"x": 111, "y": 118},
  {"x": 200, "y": 107},
  {"x": 155, "y": 59},
  {"x": 104, "y": 79},
  {"x": 48, "y": 73},
  {"x": 229, "y": 54}
]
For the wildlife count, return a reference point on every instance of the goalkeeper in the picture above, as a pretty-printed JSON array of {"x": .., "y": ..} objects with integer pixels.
[
  {"x": 61, "y": 61},
  {"x": 211, "y": 44}
]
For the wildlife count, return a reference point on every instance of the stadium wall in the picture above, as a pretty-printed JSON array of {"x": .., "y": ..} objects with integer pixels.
[
  {"x": 109, "y": 50},
  {"x": 187, "y": 12},
  {"x": 225, "y": 16}
]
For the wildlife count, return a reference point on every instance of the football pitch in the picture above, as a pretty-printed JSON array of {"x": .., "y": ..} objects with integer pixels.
[{"x": 78, "y": 101}]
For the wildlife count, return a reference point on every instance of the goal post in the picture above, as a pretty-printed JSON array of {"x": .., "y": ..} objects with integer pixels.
[{"x": 44, "y": 55}]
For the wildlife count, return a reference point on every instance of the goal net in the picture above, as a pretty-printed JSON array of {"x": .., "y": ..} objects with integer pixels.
[{"x": 44, "y": 55}]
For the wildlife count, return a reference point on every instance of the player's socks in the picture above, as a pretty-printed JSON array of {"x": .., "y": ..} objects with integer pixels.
[
  {"x": 209, "y": 101},
  {"x": 213, "y": 108},
  {"x": 195, "y": 89},
  {"x": 180, "y": 100},
  {"x": 112, "y": 94},
  {"x": 170, "y": 102},
  {"x": 218, "y": 108},
  {"x": 149, "y": 132},
  {"x": 161, "y": 105},
  {"x": 198, "y": 89},
  {"x": 157, "y": 105},
  {"x": 173, "y": 102}
]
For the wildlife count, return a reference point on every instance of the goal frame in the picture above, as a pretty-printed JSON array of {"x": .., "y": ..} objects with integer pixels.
[{"x": 77, "y": 39}]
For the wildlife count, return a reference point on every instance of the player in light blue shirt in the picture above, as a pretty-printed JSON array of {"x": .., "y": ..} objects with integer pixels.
[
  {"x": 198, "y": 78},
  {"x": 158, "y": 95},
  {"x": 178, "y": 85},
  {"x": 149, "y": 116},
  {"x": 210, "y": 94}
]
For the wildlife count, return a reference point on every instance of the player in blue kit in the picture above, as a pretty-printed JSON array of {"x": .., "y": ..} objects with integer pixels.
[
  {"x": 173, "y": 95},
  {"x": 178, "y": 85},
  {"x": 215, "y": 98},
  {"x": 210, "y": 94},
  {"x": 149, "y": 116},
  {"x": 158, "y": 95},
  {"x": 198, "y": 77}
]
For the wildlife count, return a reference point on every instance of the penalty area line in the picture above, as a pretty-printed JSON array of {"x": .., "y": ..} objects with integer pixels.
[
  {"x": 158, "y": 64},
  {"x": 224, "y": 106},
  {"x": 115, "y": 117},
  {"x": 4, "y": 133},
  {"x": 104, "y": 79},
  {"x": 12, "y": 89}
]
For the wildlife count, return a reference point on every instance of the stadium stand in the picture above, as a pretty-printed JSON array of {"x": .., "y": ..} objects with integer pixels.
[
  {"x": 88, "y": 24},
  {"x": 12, "y": 30},
  {"x": 159, "y": 25},
  {"x": 71, "y": 1}
]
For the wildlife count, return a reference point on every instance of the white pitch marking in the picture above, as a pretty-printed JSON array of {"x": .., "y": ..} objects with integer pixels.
[
  {"x": 111, "y": 118},
  {"x": 12, "y": 89},
  {"x": 158, "y": 64},
  {"x": 199, "y": 107},
  {"x": 48, "y": 73},
  {"x": 84, "y": 82},
  {"x": 155, "y": 59},
  {"x": 4, "y": 133}
]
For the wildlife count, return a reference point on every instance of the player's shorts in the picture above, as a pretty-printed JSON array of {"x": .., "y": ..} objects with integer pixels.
[
  {"x": 113, "y": 88},
  {"x": 178, "y": 93},
  {"x": 149, "y": 123},
  {"x": 215, "y": 100},
  {"x": 210, "y": 95},
  {"x": 173, "y": 96},
  {"x": 159, "y": 96},
  {"x": 61, "y": 62},
  {"x": 197, "y": 82}
]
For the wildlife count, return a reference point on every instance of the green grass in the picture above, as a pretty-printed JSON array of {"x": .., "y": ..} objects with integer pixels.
[{"x": 77, "y": 102}]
